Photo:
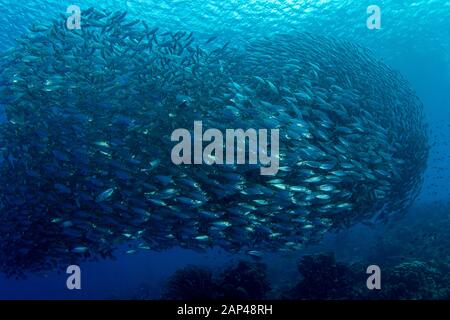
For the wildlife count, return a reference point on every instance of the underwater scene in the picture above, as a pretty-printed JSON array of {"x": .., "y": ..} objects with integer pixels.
[{"x": 225, "y": 150}]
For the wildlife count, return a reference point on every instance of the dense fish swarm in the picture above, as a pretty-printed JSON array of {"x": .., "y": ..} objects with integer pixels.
[{"x": 86, "y": 148}]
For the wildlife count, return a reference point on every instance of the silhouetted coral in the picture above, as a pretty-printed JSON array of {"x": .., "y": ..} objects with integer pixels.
[
  {"x": 191, "y": 283},
  {"x": 417, "y": 280},
  {"x": 246, "y": 281},
  {"x": 324, "y": 279}
]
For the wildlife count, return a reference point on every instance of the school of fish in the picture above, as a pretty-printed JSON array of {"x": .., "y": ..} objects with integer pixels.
[{"x": 85, "y": 149}]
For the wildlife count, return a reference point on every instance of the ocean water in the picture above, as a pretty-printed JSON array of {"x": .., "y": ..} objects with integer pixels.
[{"x": 413, "y": 39}]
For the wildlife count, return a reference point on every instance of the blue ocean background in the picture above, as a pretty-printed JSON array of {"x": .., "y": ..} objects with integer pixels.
[{"x": 414, "y": 39}]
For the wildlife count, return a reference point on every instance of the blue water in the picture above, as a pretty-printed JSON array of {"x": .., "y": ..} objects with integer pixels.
[
  {"x": 414, "y": 39},
  {"x": 2, "y": 114}
]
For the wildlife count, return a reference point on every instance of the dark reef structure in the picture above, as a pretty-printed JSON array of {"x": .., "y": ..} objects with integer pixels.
[
  {"x": 86, "y": 148},
  {"x": 191, "y": 283},
  {"x": 244, "y": 281},
  {"x": 322, "y": 278},
  {"x": 417, "y": 280}
]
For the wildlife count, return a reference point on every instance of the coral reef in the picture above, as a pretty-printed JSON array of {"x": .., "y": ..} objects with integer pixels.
[
  {"x": 246, "y": 280},
  {"x": 323, "y": 278},
  {"x": 191, "y": 283},
  {"x": 417, "y": 280}
]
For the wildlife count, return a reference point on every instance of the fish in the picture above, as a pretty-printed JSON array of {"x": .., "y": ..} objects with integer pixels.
[
  {"x": 80, "y": 250},
  {"x": 211, "y": 39},
  {"x": 105, "y": 195}
]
